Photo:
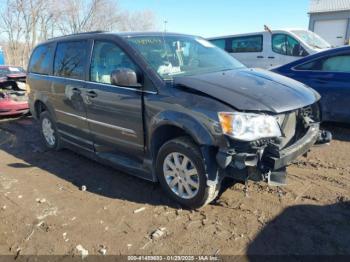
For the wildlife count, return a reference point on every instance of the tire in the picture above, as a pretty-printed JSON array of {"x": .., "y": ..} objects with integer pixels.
[
  {"x": 172, "y": 177},
  {"x": 52, "y": 141}
]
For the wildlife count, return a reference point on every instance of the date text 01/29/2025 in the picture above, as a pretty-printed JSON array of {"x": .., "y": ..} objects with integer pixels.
[{"x": 173, "y": 258}]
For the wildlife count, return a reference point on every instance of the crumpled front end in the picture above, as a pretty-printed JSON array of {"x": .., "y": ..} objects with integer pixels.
[
  {"x": 13, "y": 102},
  {"x": 267, "y": 159}
]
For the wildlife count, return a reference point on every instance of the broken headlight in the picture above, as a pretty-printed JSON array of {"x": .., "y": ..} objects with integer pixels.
[{"x": 248, "y": 126}]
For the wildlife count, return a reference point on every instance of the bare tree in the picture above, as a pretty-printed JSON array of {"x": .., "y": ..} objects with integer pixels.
[
  {"x": 24, "y": 23},
  {"x": 19, "y": 22},
  {"x": 12, "y": 28},
  {"x": 29, "y": 11},
  {"x": 138, "y": 21},
  {"x": 47, "y": 21},
  {"x": 87, "y": 15}
]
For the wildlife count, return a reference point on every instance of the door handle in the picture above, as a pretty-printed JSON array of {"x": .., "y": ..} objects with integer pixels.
[
  {"x": 91, "y": 94},
  {"x": 259, "y": 56},
  {"x": 76, "y": 91},
  {"x": 271, "y": 57}
]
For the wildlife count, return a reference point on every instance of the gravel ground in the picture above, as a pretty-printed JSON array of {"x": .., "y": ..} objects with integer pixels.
[{"x": 44, "y": 211}]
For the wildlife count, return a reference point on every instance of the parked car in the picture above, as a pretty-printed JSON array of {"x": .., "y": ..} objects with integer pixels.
[
  {"x": 271, "y": 48},
  {"x": 328, "y": 73},
  {"x": 13, "y": 98},
  {"x": 171, "y": 108}
]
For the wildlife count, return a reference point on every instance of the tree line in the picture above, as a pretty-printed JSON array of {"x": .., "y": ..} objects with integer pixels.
[{"x": 25, "y": 23}]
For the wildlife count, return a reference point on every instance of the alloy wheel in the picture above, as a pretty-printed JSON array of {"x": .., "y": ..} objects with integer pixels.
[
  {"x": 181, "y": 175},
  {"x": 48, "y": 132}
]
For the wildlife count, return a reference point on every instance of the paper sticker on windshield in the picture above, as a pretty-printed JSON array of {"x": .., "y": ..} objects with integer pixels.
[
  {"x": 205, "y": 43},
  {"x": 147, "y": 41}
]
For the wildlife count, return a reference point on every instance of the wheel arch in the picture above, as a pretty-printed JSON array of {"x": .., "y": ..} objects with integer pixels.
[
  {"x": 41, "y": 105},
  {"x": 170, "y": 125}
]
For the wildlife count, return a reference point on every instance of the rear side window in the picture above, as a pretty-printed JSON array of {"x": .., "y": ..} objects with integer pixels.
[
  {"x": 339, "y": 64},
  {"x": 219, "y": 43},
  {"x": 70, "y": 59},
  {"x": 246, "y": 44},
  {"x": 41, "y": 60}
]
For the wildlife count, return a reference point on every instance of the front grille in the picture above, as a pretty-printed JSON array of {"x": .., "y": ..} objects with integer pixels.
[
  {"x": 295, "y": 124},
  {"x": 18, "y": 97},
  {"x": 288, "y": 128},
  {"x": 306, "y": 111}
]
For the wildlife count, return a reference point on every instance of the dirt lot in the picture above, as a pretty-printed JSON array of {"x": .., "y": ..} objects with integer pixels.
[{"x": 43, "y": 210}]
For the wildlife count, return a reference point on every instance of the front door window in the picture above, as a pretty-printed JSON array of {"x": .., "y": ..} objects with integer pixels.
[
  {"x": 106, "y": 58},
  {"x": 286, "y": 45}
]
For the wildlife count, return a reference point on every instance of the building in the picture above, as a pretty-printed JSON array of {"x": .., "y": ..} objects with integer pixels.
[{"x": 331, "y": 20}]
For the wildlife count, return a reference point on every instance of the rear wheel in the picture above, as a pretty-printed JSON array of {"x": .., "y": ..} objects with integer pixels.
[
  {"x": 180, "y": 169},
  {"x": 49, "y": 131}
]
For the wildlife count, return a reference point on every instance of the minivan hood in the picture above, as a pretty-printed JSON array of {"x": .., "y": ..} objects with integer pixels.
[{"x": 252, "y": 90}]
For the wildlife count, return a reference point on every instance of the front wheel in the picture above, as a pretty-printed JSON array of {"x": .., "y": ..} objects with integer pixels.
[{"x": 181, "y": 172}]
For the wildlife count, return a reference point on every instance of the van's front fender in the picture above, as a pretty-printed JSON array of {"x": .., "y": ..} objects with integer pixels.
[
  {"x": 203, "y": 131},
  {"x": 193, "y": 127}
]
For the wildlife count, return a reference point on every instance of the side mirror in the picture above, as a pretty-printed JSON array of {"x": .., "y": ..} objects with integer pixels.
[
  {"x": 124, "y": 77},
  {"x": 303, "y": 51}
]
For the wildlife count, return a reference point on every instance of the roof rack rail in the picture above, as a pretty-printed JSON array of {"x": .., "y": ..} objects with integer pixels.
[{"x": 81, "y": 33}]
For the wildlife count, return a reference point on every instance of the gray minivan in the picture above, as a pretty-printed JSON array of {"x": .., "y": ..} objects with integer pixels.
[{"x": 170, "y": 108}]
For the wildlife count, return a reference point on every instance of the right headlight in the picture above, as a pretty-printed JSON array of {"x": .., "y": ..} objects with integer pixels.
[{"x": 248, "y": 126}]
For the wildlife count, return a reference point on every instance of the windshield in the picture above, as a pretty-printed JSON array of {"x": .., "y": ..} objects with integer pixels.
[
  {"x": 312, "y": 39},
  {"x": 182, "y": 55}
]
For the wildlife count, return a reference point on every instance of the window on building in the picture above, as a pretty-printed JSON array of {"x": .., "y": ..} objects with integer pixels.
[{"x": 70, "y": 59}]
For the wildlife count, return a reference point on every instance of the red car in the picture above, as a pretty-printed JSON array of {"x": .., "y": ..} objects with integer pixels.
[{"x": 13, "y": 97}]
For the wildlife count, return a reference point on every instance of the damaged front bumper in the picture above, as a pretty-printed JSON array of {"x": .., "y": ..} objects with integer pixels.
[
  {"x": 9, "y": 107},
  {"x": 269, "y": 162},
  {"x": 13, "y": 99}
]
